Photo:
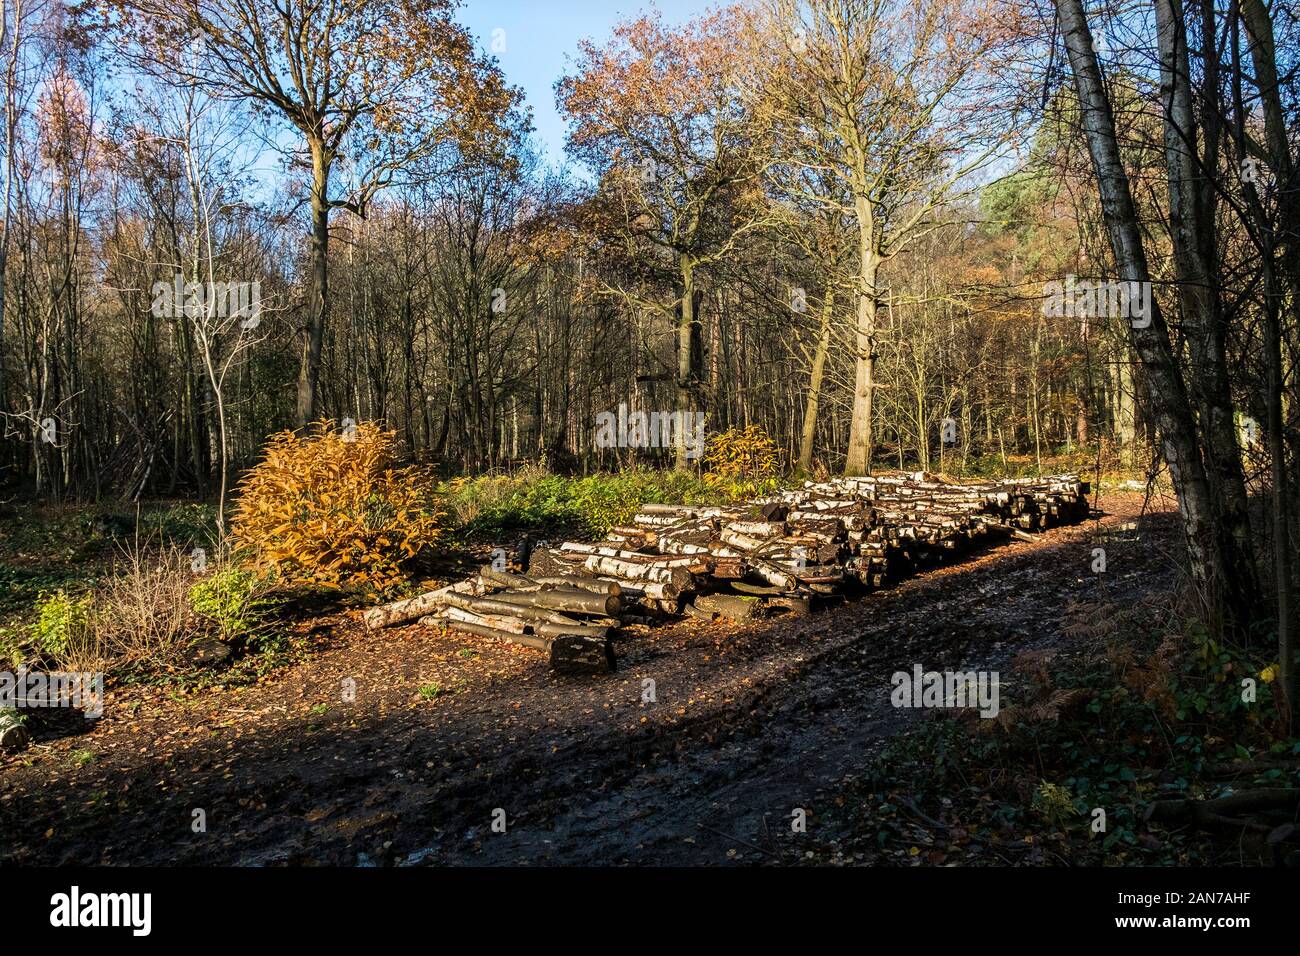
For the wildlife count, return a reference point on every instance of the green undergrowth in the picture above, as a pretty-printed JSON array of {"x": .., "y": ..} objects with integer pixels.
[
  {"x": 591, "y": 505},
  {"x": 1146, "y": 709}
]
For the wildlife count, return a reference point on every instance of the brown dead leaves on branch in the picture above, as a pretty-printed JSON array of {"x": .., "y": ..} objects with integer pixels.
[{"x": 331, "y": 509}]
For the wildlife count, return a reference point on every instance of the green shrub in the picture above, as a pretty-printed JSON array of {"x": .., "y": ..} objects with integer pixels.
[
  {"x": 60, "y": 622},
  {"x": 235, "y": 601}
]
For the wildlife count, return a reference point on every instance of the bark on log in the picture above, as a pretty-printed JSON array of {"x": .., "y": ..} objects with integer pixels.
[
  {"x": 508, "y": 604},
  {"x": 411, "y": 609},
  {"x": 502, "y": 579},
  {"x": 581, "y": 654},
  {"x": 572, "y": 550},
  {"x": 572, "y": 600},
  {"x": 582, "y": 583},
  {"x": 744, "y": 543},
  {"x": 797, "y": 606},
  {"x": 565, "y": 653},
  {"x": 648, "y": 590},
  {"x": 512, "y": 624},
  {"x": 772, "y": 574},
  {"x": 760, "y": 529},
  {"x": 734, "y": 607},
  {"x": 679, "y": 577},
  {"x": 700, "y": 614}
]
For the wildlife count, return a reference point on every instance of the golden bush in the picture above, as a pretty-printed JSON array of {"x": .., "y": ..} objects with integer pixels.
[
  {"x": 742, "y": 461},
  {"x": 331, "y": 509}
]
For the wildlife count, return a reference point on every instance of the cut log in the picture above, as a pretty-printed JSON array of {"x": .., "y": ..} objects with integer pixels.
[
  {"x": 576, "y": 551},
  {"x": 680, "y": 511},
  {"x": 581, "y": 630},
  {"x": 454, "y": 615},
  {"x": 648, "y": 590},
  {"x": 13, "y": 733},
  {"x": 581, "y": 654},
  {"x": 502, "y": 579},
  {"x": 762, "y": 590},
  {"x": 760, "y": 529},
  {"x": 700, "y": 614},
  {"x": 729, "y": 569},
  {"x": 796, "y": 605},
  {"x": 734, "y": 607},
  {"x": 565, "y": 653},
  {"x": 411, "y": 609},
  {"x": 508, "y": 604},
  {"x": 741, "y": 542},
  {"x": 595, "y": 585},
  {"x": 572, "y": 600},
  {"x": 773, "y": 574},
  {"x": 676, "y": 575},
  {"x": 512, "y": 624}
]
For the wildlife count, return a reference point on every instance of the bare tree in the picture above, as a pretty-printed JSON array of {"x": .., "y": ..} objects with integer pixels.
[
  {"x": 900, "y": 87},
  {"x": 371, "y": 86}
]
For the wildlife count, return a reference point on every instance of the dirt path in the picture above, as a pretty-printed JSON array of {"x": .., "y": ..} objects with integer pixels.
[{"x": 748, "y": 723}]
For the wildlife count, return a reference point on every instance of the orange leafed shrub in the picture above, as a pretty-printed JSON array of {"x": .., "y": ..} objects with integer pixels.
[
  {"x": 743, "y": 461},
  {"x": 331, "y": 509}
]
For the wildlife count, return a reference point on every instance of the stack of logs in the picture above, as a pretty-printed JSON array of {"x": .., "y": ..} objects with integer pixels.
[
  {"x": 789, "y": 551},
  {"x": 568, "y": 617}
]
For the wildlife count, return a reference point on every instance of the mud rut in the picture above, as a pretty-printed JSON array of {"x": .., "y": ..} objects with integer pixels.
[{"x": 749, "y": 723}]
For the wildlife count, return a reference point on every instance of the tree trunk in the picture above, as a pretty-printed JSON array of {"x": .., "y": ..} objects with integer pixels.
[
  {"x": 809, "y": 430},
  {"x": 1268, "y": 243},
  {"x": 1191, "y": 223},
  {"x": 1165, "y": 385},
  {"x": 318, "y": 306},
  {"x": 858, "y": 461},
  {"x": 687, "y": 339}
]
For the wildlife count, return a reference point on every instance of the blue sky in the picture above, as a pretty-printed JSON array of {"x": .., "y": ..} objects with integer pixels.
[{"x": 541, "y": 39}]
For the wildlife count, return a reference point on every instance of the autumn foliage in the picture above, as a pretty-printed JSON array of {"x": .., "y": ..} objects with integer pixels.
[
  {"x": 743, "y": 462},
  {"x": 331, "y": 509}
]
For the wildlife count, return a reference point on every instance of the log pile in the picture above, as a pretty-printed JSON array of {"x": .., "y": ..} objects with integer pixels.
[
  {"x": 569, "y": 618},
  {"x": 740, "y": 562}
]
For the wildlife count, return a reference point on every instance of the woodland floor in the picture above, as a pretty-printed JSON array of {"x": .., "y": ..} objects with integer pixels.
[{"x": 750, "y": 722}]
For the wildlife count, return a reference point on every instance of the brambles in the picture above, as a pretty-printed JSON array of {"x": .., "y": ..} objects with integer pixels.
[
  {"x": 1144, "y": 711},
  {"x": 138, "y": 616},
  {"x": 743, "y": 462},
  {"x": 142, "y": 616},
  {"x": 331, "y": 509}
]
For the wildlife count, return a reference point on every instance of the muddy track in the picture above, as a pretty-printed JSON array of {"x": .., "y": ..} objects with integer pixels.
[{"x": 747, "y": 724}]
